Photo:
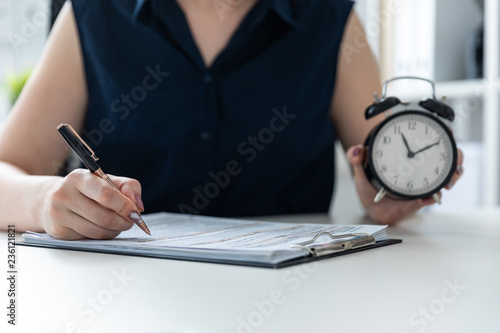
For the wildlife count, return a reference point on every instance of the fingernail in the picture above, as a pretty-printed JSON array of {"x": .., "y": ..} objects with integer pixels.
[
  {"x": 135, "y": 217},
  {"x": 460, "y": 169},
  {"x": 356, "y": 152},
  {"x": 450, "y": 184},
  {"x": 139, "y": 203}
]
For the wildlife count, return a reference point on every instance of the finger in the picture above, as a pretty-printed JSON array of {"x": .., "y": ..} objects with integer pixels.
[
  {"x": 98, "y": 189},
  {"x": 64, "y": 233},
  {"x": 83, "y": 228},
  {"x": 131, "y": 188},
  {"x": 355, "y": 156},
  {"x": 70, "y": 226},
  {"x": 459, "y": 170},
  {"x": 78, "y": 203},
  {"x": 460, "y": 156},
  {"x": 366, "y": 190},
  {"x": 98, "y": 214}
]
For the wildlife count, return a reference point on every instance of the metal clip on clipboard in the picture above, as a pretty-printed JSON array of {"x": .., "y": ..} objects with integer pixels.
[{"x": 358, "y": 240}]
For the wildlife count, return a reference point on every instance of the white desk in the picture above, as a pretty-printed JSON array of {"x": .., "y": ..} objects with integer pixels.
[{"x": 381, "y": 290}]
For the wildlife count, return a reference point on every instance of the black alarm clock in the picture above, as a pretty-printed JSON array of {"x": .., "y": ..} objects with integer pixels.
[{"x": 412, "y": 153}]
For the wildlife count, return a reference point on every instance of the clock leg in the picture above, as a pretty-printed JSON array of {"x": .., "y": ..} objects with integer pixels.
[
  {"x": 436, "y": 198},
  {"x": 379, "y": 195}
]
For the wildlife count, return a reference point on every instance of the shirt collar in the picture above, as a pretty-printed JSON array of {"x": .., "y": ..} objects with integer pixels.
[
  {"x": 139, "y": 7},
  {"x": 284, "y": 10},
  {"x": 281, "y": 7}
]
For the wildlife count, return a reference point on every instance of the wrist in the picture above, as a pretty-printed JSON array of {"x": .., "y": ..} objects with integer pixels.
[{"x": 43, "y": 186}]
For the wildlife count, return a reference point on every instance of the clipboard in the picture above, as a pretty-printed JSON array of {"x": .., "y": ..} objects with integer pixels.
[
  {"x": 229, "y": 241},
  {"x": 324, "y": 251}
]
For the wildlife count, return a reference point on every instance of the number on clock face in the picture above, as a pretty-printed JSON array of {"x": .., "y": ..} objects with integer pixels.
[{"x": 412, "y": 154}]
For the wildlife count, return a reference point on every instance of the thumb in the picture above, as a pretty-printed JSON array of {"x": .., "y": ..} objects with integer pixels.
[{"x": 355, "y": 155}]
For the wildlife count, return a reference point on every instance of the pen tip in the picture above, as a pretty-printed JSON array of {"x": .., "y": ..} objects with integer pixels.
[{"x": 145, "y": 228}]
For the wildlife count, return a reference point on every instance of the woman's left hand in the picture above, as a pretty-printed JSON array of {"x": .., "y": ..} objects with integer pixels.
[{"x": 388, "y": 210}]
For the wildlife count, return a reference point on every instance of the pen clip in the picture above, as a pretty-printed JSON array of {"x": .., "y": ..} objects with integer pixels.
[{"x": 92, "y": 154}]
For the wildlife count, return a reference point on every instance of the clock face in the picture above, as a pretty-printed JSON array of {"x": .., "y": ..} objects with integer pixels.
[{"x": 413, "y": 154}]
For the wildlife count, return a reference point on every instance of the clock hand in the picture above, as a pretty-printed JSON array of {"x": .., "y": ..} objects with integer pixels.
[
  {"x": 410, "y": 153},
  {"x": 429, "y": 146}
]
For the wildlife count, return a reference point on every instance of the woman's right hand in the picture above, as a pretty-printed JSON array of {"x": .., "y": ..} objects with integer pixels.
[{"x": 83, "y": 205}]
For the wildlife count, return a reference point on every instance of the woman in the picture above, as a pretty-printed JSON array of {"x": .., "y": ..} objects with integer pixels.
[{"x": 223, "y": 107}]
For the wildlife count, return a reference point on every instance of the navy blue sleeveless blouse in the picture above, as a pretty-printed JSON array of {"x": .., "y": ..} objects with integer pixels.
[{"x": 251, "y": 135}]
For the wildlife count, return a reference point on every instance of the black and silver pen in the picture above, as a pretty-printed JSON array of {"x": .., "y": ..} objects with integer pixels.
[{"x": 88, "y": 157}]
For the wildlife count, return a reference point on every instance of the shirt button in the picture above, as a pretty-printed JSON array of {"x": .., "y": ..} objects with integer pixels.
[
  {"x": 205, "y": 135},
  {"x": 207, "y": 78}
]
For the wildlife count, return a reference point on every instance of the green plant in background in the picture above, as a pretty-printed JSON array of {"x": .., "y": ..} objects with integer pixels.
[{"x": 15, "y": 84}]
